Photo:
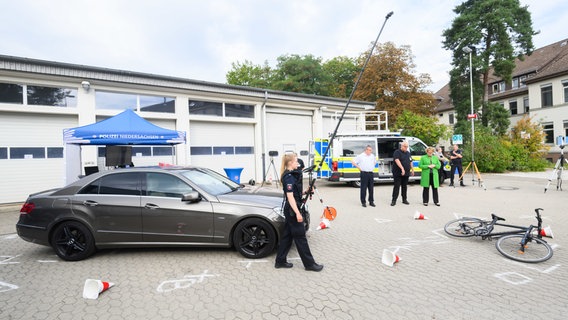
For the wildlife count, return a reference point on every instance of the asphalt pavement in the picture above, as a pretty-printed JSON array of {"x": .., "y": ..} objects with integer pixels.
[{"x": 437, "y": 277}]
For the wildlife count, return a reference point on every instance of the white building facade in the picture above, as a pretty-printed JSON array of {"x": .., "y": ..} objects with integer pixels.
[
  {"x": 538, "y": 89},
  {"x": 226, "y": 126}
]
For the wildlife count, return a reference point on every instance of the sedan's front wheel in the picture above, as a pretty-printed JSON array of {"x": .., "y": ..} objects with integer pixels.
[
  {"x": 254, "y": 238},
  {"x": 72, "y": 241}
]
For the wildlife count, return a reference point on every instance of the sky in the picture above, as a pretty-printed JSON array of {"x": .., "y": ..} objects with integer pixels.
[{"x": 199, "y": 40}]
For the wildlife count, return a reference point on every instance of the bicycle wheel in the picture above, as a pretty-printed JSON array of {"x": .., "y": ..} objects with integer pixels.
[
  {"x": 463, "y": 228},
  {"x": 536, "y": 250}
]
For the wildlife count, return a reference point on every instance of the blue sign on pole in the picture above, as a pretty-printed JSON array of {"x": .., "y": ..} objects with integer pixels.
[{"x": 457, "y": 139}]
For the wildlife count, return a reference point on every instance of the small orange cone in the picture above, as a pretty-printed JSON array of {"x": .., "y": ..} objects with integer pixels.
[
  {"x": 324, "y": 224},
  {"x": 93, "y": 288},
  {"x": 419, "y": 216},
  {"x": 547, "y": 232},
  {"x": 389, "y": 258}
]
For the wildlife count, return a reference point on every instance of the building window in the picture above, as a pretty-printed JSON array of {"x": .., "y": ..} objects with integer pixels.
[
  {"x": 244, "y": 150},
  {"x": 55, "y": 153},
  {"x": 223, "y": 150},
  {"x": 515, "y": 83},
  {"x": 565, "y": 85},
  {"x": 3, "y": 153},
  {"x": 548, "y": 129},
  {"x": 115, "y": 101},
  {"x": 526, "y": 104},
  {"x": 11, "y": 93},
  {"x": 142, "y": 151},
  {"x": 136, "y": 102},
  {"x": 546, "y": 95},
  {"x": 451, "y": 118},
  {"x": 48, "y": 96},
  {"x": 220, "y": 109},
  {"x": 239, "y": 110},
  {"x": 27, "y": 153},
  {"x": 513, "y": 107},
  {"x": 201, "y": 151},
  {"x": 522, "y": 80},
  {"x": 566, "y": 129},
  {"x": 163, "y": 151},
  {"x": 206, "y": 108},
  {"x": 157, "y": 104},
  {"x": 498, "y": 87}
]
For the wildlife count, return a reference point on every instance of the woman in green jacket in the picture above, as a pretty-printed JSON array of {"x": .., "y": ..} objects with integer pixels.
[{"x": 430, "y": 165}]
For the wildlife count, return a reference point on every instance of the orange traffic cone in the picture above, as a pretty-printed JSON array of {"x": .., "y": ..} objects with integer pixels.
[
  {"x": 419, "y": 216},
  {"x": 389, "y": 258},
  {"x": 93, "y": 288},
  {"x": 547, "y": 232},
  {"x": 324, "y": 223}
]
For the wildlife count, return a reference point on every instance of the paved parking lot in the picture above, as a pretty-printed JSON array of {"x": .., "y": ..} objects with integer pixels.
[{"x": 437, "y": 278}]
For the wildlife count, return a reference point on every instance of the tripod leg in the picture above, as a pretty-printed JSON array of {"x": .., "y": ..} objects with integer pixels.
[
  {"x": 554, "y": 172},
  {"x": 481, "y": 184},
  {"x": 464, "y": 171}
]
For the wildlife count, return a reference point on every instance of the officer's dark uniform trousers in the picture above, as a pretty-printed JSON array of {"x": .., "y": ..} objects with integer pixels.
[{"x": 293, "y": 229}]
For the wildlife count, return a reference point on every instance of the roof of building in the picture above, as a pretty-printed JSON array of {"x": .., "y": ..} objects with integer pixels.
[{"x": 544, "y": 63}]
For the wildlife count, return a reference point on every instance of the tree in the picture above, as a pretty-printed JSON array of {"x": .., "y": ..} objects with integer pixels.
[
  {"x": 426, "y": 128},
  {"x": 389, "y": 80},
  {"x": 499, "y": 32},
  {"x": 342, "y": 72},
  {"x": 304, "y": 74},
  {"x": 527, "y": 145},
  {"x": 250, "y": 75}
]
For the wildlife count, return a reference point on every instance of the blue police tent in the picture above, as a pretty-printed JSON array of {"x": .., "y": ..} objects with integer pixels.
[{"x": 126, "y": 128}]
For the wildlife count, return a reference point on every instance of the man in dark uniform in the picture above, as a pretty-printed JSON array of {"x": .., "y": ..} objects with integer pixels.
[
  {"x": 456, "y": 162},
  {"x": 401, "y": 170},
  {"x": 294, "y": 228}
]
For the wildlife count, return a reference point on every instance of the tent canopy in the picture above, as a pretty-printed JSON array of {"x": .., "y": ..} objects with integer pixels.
[{"x": 123, "y": 129}]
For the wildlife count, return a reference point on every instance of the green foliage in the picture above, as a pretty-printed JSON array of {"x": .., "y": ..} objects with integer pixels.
[
  {"x": 527, "y": 147},
  {"x": 497, "y": 118},
  {"x": 499, "y": 32},
  {"x": 304, "y": 74},
  {"x": 425, "y": 128},
  {"x": 523, "y": 150},
  {"x": 249, "y": 75},
  {"x": 342, "y": 72},
  {"x": 491, "y": 151}
]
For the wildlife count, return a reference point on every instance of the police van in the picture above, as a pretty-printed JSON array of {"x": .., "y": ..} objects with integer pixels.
[{"x": 338, "y": 166}]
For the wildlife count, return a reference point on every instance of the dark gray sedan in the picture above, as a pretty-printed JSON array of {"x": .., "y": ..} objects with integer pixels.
[{"x": 151, "y": 207}]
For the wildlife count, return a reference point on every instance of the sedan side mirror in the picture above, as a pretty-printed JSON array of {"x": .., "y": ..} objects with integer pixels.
[{"x": 192, "y": 196}]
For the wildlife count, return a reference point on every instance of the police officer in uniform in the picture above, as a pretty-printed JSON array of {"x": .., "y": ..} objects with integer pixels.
[{"x": 294, "y": 228}]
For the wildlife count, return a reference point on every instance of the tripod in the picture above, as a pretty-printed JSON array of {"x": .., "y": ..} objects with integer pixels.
[
  {"x": 276, "y": 178},
  {"x": 558, "y": 169},
  {"x": 476, "y": 171}
]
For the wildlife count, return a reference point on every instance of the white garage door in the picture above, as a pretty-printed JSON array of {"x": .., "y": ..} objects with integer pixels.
[
  {"x": 33, "y": 148},
  {"x": 288, "y": 132},
  {"x": 223, "y": 145}
]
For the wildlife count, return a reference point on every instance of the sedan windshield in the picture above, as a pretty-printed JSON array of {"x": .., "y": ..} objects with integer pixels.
[{"x": 210, "y": 181}]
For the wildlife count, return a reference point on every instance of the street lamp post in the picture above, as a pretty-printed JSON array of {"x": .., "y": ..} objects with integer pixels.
[{"x": 469, "y": 50}]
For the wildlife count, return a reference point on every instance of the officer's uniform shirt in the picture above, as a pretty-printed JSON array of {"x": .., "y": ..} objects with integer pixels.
[{"x": 290, "y": 184}]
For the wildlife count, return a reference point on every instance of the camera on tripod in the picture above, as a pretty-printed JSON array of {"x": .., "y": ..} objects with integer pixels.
[
  {"x": 561, "y": 141},
  {"x": 559, "y": 166}
]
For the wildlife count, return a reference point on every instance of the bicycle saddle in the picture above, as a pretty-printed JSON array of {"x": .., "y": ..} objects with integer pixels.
[{"x": 493, "y": 216}]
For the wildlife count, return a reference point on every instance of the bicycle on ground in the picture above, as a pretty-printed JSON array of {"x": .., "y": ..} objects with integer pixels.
[{"x": 524, "y": 244}]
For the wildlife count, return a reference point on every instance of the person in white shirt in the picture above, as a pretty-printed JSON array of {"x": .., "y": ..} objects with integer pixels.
[{"x": 366, "y": 163}]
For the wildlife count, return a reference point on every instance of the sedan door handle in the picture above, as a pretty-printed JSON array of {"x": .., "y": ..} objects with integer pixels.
[
  {"x": 90, "y": 203},
  {"x": 151, "y": 206}
]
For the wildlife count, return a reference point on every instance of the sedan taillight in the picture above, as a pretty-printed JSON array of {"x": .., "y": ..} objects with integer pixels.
[{"x": 27, "y": 208}]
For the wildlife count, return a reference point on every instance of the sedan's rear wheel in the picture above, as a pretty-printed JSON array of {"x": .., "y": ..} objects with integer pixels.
[
  {"x": 254, "y": 238},
  {"x": 72, "y": 241}
]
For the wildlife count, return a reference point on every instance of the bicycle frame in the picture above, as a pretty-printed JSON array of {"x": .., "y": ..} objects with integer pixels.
[{"x": 487, "y": 231}]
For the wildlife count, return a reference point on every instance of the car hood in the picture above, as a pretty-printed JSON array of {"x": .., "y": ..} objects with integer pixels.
[{"x": 241, "y": 197}]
